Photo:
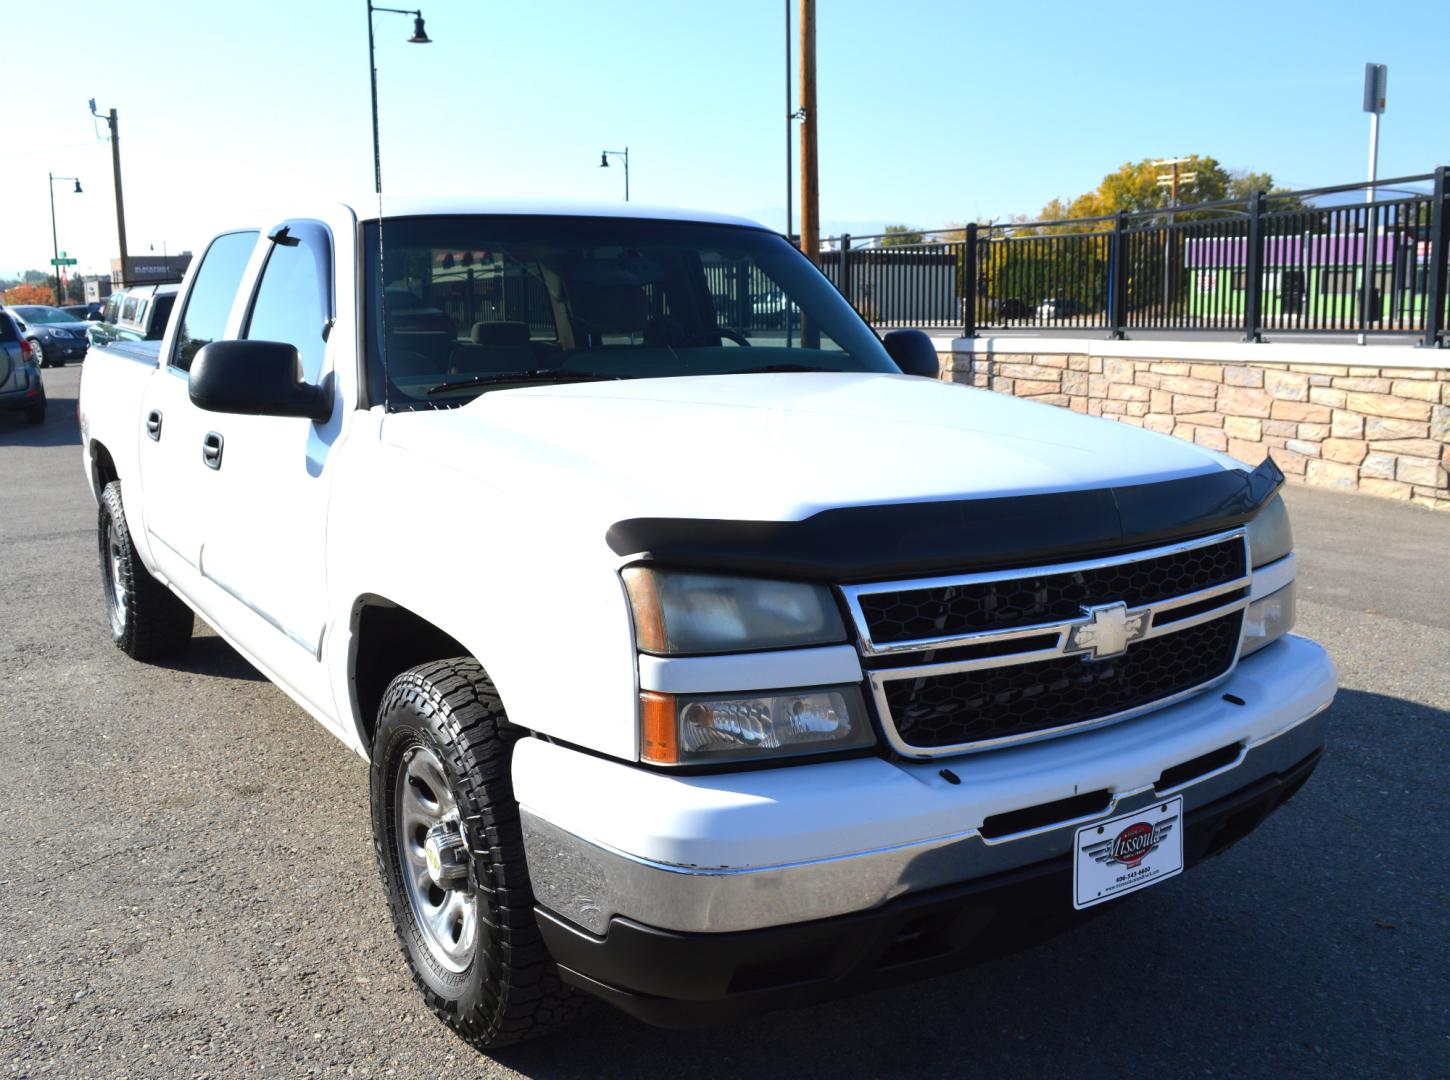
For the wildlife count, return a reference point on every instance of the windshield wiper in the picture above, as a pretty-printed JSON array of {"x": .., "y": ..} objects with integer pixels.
[
  {"x": 770, "y": 369},
  {"x": 534, "y": 375}
]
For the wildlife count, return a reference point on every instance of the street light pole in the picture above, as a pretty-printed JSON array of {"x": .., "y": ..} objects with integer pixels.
[
  {"x": 54, "y": 243},
  {"x": 605, "y": 155},
  {"x": 420, "y": 37}
]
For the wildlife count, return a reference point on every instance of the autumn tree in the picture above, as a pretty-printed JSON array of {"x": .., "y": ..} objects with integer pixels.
[{"x": 29, "y": 294}]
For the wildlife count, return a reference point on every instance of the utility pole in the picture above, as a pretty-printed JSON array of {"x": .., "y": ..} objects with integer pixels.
[
  {"x": 1170, "y": 181},
  {"x": 115, "y": 125},
  {"x": 810, "y": 183},
  {"x": 790, "y": 114}
]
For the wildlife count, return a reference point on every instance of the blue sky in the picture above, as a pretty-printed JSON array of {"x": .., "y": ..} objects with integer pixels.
[{"x": 931, "y": 111}]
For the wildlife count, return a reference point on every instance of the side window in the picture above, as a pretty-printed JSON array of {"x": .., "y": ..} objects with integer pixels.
[
  {"x": 291, "y": 304},
  {"x": 140, "y": 316},
  {"x": 204, "y": 319},
  {"x": 160, "y": 313},
  {"x": 128, "y": 309},
  {"x": 7, "y": 329}
]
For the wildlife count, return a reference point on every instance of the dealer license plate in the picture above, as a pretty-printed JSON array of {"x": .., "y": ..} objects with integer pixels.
[{"x": 1124, "y": 854}]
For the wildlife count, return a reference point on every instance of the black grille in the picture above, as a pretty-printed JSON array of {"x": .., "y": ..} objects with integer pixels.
[
  {"x": 1024, "y": 699},
  {"x": 910, "y": 614}
]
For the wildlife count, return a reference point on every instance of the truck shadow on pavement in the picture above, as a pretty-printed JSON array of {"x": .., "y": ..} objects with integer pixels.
[
  {"x": 213, "y": 656},
  {"x": 1280, "y": 941}
]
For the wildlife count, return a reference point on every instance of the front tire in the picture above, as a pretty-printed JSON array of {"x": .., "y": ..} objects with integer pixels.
[
  {"x": 450, "y": 850},
  {"x": 147, "y": 619}
]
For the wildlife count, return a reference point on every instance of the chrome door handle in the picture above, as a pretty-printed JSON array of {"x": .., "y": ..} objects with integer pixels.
[{"x": 153, "y": 425}]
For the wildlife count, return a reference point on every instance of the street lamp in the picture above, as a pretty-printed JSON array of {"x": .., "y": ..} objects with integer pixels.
[
  {"x": 420, "y": 37},
  {"x": 605, "y": 155},
  {"x": 55, "y": 244}
]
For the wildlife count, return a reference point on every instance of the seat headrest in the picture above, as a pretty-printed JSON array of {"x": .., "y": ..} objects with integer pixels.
[
  {"x": 500, "y": 333},
  {"x": 610, "y": 309}
]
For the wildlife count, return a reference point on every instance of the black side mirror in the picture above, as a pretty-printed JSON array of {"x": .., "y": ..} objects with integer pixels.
[
  {"x": 913, "y": 352},
  {"x": 255, "y": 378}
]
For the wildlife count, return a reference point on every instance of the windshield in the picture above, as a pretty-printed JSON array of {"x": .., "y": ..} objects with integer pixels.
[
  {"x": 473, "y": 300},
  {"x": 43, "y": 315}
]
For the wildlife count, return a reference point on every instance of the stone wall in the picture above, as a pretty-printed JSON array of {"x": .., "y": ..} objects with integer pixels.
[{"x": 1381, "y": 430}]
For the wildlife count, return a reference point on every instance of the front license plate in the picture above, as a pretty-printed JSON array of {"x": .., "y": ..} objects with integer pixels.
[{"x": 1124, "y": 854}]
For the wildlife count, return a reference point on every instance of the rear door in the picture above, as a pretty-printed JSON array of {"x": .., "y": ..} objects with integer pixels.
[{"x": 178, "y": 480}]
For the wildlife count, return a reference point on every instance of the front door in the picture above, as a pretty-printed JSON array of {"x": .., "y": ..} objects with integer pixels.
[{"x": 265, "y": 539}]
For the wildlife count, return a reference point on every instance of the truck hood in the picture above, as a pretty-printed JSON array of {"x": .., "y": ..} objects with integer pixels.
[{"x": 781, "y": 447}]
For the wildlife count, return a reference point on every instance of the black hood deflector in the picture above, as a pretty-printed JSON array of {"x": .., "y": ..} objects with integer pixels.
[{"x": 868, "y": 543}]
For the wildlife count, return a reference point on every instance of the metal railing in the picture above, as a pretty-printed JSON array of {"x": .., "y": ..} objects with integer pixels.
[{"x": 1322, "y": 261}]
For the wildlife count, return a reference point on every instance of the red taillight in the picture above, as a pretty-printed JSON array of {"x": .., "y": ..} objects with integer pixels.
[{"x": 26, "y": 351}]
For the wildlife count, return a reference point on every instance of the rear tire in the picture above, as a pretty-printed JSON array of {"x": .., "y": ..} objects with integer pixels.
[
  {"x": 440, "y": 774},
  {"x": 148, "y": 620}
]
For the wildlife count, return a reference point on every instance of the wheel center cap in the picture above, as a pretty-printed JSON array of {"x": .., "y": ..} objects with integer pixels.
[{"x": 446, "y": 854}]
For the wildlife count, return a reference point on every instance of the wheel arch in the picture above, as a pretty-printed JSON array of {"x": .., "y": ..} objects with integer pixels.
[
  {"x": 388, "y": 638},
  {"x": 103, "y": 467}
]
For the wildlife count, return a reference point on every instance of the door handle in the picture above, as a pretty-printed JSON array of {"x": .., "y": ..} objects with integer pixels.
[
  {"x": 153, "y": 425},
  {"x": 211, "y": 450}
]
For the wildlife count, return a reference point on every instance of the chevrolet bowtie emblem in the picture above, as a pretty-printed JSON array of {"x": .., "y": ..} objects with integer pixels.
[{"x": 1108, "y": 630}]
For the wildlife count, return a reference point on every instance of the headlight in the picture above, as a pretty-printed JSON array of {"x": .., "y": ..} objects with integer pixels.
[
  {"x": 682, "y": 612},
  {"x": 1268, "y": 619},
  {"x": 62, "y": 334},
  {"x": 697, "y": 729},
  {"x": 1270, "y": 537}
]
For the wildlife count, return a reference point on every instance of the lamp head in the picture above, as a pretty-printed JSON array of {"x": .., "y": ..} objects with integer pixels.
[
  {"x": 603, "y": 159},
  {"x": 420, "y": 36},
  {"x": 78, "y": 188}
]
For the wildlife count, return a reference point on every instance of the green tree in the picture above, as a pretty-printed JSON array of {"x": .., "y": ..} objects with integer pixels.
[{"x": 901, "y": 235}]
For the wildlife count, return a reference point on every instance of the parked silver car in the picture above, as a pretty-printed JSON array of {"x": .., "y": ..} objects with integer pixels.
[{"x": 20, "y": 385}]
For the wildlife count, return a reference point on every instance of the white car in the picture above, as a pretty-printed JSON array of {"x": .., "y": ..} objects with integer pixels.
[{"x": 698, "y": 674}]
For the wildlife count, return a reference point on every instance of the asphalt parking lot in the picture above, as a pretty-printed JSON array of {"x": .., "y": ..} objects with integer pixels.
[{"x": 187, "y": 885}]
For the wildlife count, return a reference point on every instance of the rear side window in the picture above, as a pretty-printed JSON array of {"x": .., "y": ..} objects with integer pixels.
[
  {"x": 7, "y": 329},
  {"x": 160, "y": 315},
  {"x": 293, "y": 299},
  {"x": 128, "y": 309},
  {"x": 204, "y": 318}
]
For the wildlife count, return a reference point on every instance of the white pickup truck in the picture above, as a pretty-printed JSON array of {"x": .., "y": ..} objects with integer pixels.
[{"x": 706, "y": 663}]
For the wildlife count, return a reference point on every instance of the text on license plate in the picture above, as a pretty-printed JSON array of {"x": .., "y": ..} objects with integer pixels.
[{"x": 1127, "y": 853}]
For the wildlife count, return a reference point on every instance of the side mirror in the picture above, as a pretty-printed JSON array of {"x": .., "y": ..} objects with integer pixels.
[
  {"x": 913, "y": 352},
  {"x": 255, "y": 378}
]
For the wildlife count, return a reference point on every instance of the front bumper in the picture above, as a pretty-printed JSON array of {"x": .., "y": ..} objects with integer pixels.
[
  {"x": 745, "y": 850},
  {"x": 687, "y": 980},
  {"x": 54, "y": 349}
]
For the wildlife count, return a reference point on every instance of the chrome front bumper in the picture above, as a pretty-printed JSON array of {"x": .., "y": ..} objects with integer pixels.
[{"x": 588, "y": 880}]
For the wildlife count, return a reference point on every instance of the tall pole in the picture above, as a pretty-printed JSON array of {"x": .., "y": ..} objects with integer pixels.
[
  {"x": 626, "y": 174},
  {"x": 1374, "y": 156},
  {"x": 789, "y": 134},
  {"x": 54, "y": 244},
  {"x": 373, "y": 75},
  {"x": 810, "y": 185},
  {"x": 115, "y": 124}
]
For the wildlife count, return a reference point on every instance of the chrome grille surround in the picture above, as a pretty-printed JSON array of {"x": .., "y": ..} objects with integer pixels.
[{"x": 1070, "y": 637}]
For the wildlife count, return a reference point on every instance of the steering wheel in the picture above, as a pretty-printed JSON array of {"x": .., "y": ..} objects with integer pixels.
[{"x": 733, "y": 335}]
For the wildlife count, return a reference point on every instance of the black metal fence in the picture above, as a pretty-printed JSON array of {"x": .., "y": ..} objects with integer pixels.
[{"x": 1324, "y": 261}]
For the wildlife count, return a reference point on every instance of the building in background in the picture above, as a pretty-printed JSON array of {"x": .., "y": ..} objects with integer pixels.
[
  {"x": 97, "y": 289},
  {"x": 149, "y": 269}
]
